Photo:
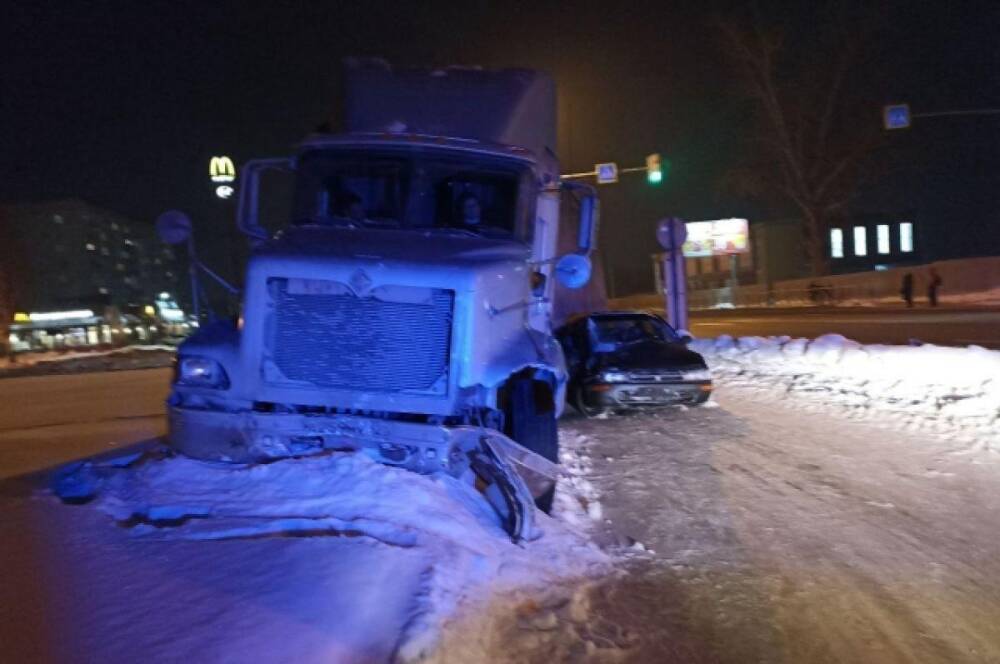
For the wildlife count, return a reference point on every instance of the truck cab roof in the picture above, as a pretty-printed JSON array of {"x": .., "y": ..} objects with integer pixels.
[{"x": 388, "y": 139}]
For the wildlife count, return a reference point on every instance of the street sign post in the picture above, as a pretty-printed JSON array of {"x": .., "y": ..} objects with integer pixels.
[{"x": 671, "y": 234}]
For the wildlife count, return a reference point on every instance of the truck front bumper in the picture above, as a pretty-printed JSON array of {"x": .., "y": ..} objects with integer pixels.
[{"x": 249, "y": 437}]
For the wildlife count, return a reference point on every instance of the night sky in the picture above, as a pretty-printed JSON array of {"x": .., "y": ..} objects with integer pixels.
[{"x": 123, "y": 103}]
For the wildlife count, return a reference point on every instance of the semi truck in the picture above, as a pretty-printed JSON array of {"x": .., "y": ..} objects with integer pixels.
[{"x": 405, "y": 308}]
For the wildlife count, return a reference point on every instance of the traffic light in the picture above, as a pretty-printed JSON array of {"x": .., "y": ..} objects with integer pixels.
[{"x": 654, "y": 171}]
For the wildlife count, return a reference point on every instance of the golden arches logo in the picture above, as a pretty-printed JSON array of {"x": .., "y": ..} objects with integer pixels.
[{"x": 221, "y": 169}]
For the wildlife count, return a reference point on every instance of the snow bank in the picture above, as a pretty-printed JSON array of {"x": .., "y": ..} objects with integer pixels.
[
  {"x": 63, "y": 362},
  {"x": 470, "y": 559},
  {"x": 577, "y": 499},
  {"x": 951, "y": 390}
]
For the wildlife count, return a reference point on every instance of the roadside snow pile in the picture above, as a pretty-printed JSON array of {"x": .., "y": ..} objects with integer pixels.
[
  {"x": 577, "y": 499},
  {"x": 951, "y": 390},
  {"x": 66, "y": 362},
  {"x": 470, "y": 558}
]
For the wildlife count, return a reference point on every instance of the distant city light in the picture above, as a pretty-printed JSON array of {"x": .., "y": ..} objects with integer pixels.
[
  {"x": 860, "y": 241},
  {"x": 164, "y": 295},
  {"x": 149, "y": 310},
  {"x": 59, "y": 315},
  {"x": 882, "y": 237},
  {"x": 836, "y": 243},
  {"x": 21, "y": 317},
  {"x": 906, "y": 237},
  {"x": 224, "y": 191}
]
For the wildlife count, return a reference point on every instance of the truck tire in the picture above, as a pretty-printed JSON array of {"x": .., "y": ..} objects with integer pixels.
[{"x": 530, "y": 420}]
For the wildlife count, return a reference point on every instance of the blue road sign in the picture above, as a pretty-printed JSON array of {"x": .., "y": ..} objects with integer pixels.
[
  {"x": 606, "y": 173},
  {"x": 896, "y": 116}
]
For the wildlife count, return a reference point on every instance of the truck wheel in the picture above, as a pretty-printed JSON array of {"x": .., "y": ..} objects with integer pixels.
[{"x": 531, "y": 422}]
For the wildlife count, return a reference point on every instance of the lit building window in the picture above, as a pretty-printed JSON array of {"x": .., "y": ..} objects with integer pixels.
[
  {"x": 906, "y": 237},
  {"x": 91, "y": 246},
  {"x": 860, "y": 241},
  {"x": 102, "y": 290},
  {"x": 57, "y": 218},
  {"x": 882, "y": 238},
  {"x": 836, "y": 243}
]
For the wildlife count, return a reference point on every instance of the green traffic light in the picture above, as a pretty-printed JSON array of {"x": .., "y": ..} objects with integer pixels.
[{"x": 654, "y": 177}]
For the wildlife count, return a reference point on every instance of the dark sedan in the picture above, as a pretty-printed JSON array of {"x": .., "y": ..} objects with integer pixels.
[{"x": 630, "y": 360}]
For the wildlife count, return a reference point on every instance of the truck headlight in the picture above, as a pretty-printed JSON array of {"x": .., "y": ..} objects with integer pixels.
[
  {"x": 612, "y": 377},
  {"x": 697, "y": 375},
  {"x": 201, "y": 372}
]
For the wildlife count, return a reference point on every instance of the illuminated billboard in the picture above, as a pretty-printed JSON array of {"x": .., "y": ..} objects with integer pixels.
[
  {"x": 721, "y": 237},
  {"x": 222, "y": 171}
]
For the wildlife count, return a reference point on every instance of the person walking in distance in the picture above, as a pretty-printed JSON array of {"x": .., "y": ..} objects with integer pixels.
[
  {"x": 933, "y": 286},
  {"x": 907, "y": 290}
]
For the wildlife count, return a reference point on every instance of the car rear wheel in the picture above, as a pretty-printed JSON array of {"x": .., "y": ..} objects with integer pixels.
[
  {"x": 588, "y": 411},
  {"x": 530, "y": 416}
]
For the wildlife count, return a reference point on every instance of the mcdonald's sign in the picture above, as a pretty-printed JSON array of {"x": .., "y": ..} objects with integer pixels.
[{"x": 221, "y": 169}]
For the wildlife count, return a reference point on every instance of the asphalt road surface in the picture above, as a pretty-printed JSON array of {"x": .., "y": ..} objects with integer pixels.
[
  {"x": 48, "y": 420},
  {"x": 886, "y": 325}
]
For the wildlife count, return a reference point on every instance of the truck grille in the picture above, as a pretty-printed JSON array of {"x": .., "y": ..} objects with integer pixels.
[{"x": 395, "y": 339}]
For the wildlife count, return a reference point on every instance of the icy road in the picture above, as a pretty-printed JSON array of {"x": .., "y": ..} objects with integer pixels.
[
  {"x": 784, "y": 535},
  {"x": 775, "y": 530}
]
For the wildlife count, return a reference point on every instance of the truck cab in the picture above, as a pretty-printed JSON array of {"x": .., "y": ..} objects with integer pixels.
[{"x": 406, "y": 306}]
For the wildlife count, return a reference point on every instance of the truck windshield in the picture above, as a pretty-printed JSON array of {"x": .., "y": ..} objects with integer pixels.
[{"x": 414, "y": 190}]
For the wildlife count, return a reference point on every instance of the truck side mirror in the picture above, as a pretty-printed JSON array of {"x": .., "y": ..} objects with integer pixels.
[{"x": 573, "y": 270}]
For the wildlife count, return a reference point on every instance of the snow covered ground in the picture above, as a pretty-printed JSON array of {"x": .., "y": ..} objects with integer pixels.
[
  {"x": 331, "y": 558},
  {"x": 951, "y": 391},
  {"x": 66, "y": 362},
  {"x": 776, "y": 534}
]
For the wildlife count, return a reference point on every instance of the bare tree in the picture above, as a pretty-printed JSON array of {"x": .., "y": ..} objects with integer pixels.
[{"x": 810, "y": 80}]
